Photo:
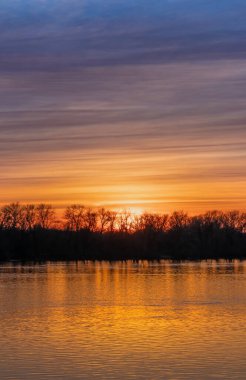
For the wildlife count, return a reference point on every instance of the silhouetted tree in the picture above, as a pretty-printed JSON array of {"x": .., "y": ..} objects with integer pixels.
[
  {"x": 29, "y": 232},
  {"x": 124, "y": 221},
  {"x": 178, "y": 220},
  {"x": 90, "y": 220},
  {"x": 11, "y": 216},
  {"x": 45, "y": 216},
  {"x": 29, "y": 217},
  {"x": 112, "y": 221},
  {"x": 104, "y": 219},
  {"x": 75, "y": 217}
]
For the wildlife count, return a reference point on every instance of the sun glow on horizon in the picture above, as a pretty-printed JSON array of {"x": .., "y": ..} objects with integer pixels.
[{"x": 134, "y": 211}]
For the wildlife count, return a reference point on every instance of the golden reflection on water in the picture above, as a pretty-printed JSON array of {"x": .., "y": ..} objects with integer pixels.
[{"x": 123, "y": 320}]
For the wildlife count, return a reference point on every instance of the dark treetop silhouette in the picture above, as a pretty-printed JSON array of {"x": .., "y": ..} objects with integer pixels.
[{"x": 33, "y": 232}]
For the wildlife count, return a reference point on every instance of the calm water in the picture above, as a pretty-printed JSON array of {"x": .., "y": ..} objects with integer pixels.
[{"x": 123, "y": 321}]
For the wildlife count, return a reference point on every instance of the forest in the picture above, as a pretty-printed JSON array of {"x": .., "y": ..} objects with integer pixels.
[{"x": 34, "y": 233}]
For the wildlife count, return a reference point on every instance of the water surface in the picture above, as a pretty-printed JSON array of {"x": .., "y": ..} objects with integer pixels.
[{"x": 128, "y": 320}]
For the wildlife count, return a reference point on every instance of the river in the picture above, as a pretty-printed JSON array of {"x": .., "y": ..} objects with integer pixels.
[{"x": 123, "y": 320}]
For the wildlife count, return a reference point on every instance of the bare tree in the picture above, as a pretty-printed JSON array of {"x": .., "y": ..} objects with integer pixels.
[
  {"x": 243, "y": 222},
  {"x": 125, "y": 221},
  {"x": 103, "y": 217},
  {"x": 29, "y": 217},
  {"x": 154, "y": 222},
  {"x": 45, "y": 216},
  {"x": 11, "y": 216},
  {"x": 112, "y": 221},
  {"x": 1, "y": 219},
  {"x": 233, "y": 220},
  {"x": 178, "y": 220},
  {"x": 214, "y": 219},
  {"x": 75, "y": 217},
  {"x": 90, "y": 220}
]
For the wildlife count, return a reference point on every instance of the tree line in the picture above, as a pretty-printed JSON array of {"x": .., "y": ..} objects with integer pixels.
[{"x": 33, "y": 232}]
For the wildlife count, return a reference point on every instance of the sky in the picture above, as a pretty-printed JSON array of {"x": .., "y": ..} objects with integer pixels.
[{"x": 123, "y": 104}]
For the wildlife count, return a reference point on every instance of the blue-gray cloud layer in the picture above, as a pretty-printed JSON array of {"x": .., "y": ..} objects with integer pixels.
[{"x": 55, "y": 34}]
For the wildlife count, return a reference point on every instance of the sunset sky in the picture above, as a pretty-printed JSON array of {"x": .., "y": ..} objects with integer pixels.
[{"x": 124, "y": 103}]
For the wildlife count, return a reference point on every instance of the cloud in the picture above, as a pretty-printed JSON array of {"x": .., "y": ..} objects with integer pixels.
[
  {"x": 57, "y": 35},
  {"x": 99, "y": 95}
]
